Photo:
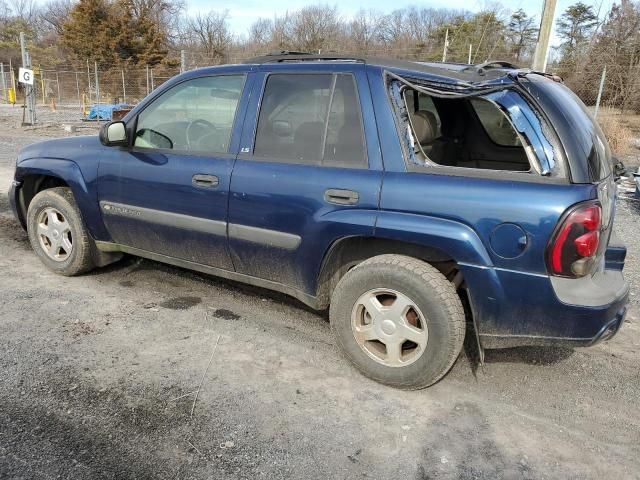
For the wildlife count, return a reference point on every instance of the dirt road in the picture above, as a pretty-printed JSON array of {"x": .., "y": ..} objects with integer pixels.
[{"x": 97, "y": 375}]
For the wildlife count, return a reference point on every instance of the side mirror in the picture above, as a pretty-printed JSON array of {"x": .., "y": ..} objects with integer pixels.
[{"x": 113, "y": 133}]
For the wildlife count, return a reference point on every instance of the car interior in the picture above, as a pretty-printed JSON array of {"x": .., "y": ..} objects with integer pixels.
[{"x": 467, "y": 132}]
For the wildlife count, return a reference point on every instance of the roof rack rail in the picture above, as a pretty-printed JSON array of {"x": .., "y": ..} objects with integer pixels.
[
  {"x": 292, "y": 56},
  {"x": 480, "y": 67}
]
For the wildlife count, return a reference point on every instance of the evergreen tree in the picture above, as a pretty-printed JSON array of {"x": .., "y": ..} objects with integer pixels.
[
  {"x": 575, "y": 27},
  {"x": 522, "y": 31},
  {"x": 88, "y": 33},
  {"x": 113, "y": 34}
]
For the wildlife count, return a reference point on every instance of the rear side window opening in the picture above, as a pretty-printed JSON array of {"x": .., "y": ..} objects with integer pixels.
[{"x": 463, "y": 132}]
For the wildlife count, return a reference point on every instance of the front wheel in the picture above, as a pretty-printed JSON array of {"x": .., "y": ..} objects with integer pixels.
[
  {"x": 399, "y": 320},
  {"x": 57, "y": 233}
]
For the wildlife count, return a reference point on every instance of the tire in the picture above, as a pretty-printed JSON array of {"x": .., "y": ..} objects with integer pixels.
[
  {"x": 59, "y": 203},
  {"x": 429, "y": 302}
]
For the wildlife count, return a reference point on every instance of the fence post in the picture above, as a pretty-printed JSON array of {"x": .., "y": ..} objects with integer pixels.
[
  {"x": 29, "y": 91},
  {"x": 4, "y": 82},
  {"x": 183, "y": 61},
  {"x": 147, "y": 79},
  {"x": 152, "y": 84},
  {"x": 124, "y": 88},
  {"x": 13, "y": 81},
  {"x": 78, "y": 88},
  {"x": 604, "y": 75},
  {"x": 88, "y": 81},
  {"x": 95, "y": 64},
  {"x": 470, "y": 48},
  {"x": 58, "y": 84}
]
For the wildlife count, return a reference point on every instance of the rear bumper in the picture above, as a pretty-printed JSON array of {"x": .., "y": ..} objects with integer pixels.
[
  {"x": 516, "y": 309},
  {"x": 610, "y": 329}
]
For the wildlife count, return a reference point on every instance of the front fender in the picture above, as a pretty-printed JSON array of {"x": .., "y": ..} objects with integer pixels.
[{"x": 82, "y": 184}]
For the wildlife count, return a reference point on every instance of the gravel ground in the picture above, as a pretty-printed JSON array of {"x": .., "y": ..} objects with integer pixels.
[{"x": 95, "y": 370}]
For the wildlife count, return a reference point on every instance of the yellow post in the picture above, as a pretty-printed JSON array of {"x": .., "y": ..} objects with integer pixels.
[{"x": 12, "y": 96}]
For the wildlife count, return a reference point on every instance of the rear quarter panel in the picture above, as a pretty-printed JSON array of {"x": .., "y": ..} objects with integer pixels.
[{"x": 481, "y": 205}]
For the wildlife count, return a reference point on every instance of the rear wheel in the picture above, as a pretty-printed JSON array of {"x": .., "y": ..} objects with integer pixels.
[
  {"x": 57, "y": 233},
  {"x": 399, "y": 320}
]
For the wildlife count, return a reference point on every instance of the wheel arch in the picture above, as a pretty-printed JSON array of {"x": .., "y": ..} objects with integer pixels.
[
  {"x": 346, "y": 253},
  {"x": 38, "y": 174},
  {"x": 31, "y": 185}
]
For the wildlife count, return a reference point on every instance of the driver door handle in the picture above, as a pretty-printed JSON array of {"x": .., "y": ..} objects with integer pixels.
[{"x": 205, "y": 181}]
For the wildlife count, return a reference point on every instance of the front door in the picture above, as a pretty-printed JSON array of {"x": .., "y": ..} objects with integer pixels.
[
  {"x": 309, "y": 171},
  {"x": 168, "y": 193}
]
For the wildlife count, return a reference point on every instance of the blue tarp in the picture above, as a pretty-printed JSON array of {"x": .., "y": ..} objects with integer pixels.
[{"x": 104, "y": 111}]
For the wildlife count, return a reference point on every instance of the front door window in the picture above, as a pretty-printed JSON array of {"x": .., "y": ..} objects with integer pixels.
[{"x": 195, "y": 116}]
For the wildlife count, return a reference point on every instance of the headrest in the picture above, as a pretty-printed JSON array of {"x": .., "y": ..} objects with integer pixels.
[{"x": 425, "y": 126}]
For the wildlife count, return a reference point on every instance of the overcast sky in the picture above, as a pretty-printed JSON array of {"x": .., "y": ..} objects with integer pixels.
[{"x": 243, "y": 13}]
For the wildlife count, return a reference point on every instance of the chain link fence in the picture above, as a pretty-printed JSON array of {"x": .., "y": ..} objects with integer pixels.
[{"x": 67, "y": 95}]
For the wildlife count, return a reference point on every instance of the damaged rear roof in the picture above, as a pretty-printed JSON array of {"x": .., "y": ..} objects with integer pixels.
[{"x": 488, "y": 71}]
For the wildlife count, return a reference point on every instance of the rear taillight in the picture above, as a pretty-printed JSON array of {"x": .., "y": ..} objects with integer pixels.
[{"x": 574, "y": 245}]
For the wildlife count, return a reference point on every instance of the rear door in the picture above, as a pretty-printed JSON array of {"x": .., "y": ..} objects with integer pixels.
[
  {"x": 168, "y": 193},
  {"x": 309, "y": 171}
]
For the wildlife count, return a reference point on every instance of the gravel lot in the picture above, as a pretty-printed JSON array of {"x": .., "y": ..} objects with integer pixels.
[{"x": 95, "y": 370}]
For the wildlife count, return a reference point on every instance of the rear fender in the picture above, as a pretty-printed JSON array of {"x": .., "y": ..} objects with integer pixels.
[
  {"x": 462, "y": 244},
  {"x": 456, "y": 239}
]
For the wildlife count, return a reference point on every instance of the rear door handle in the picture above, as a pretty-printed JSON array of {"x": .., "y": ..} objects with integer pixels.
[
  {"x": 341, "y": 197},
  {"x": 205, "y": 181}
]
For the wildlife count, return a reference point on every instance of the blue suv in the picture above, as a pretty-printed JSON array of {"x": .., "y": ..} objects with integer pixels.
[{"x": 408, "y": 198}]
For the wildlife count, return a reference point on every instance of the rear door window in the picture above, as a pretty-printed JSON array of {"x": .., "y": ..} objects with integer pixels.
[{"x": 311, "y": 119}]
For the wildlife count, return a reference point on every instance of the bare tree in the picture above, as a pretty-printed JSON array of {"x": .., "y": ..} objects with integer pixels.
[
  {"x": 55, "y": 13},
  {"x": 315, "y": 28},
  {"x": 365, "y": 30},
  {"x": 261, "y": 31},
  {"x": 211, "y": 33},
  {"x": 167, "y": 14},
  {"x": 24, "y": 9}
]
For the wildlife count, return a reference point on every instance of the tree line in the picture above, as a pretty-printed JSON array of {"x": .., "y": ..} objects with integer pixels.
[{"x": 136, "y": 33}]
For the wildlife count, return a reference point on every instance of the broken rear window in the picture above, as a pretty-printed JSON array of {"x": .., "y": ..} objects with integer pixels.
[{"x": 464, "y": 132}]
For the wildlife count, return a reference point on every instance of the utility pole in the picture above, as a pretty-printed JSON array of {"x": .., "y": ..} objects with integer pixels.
[
  {"x": 446, "y": 44},
  {"x": 600, "y": 89},
  {"x": 544, "y": 36},
  {"x": 470, "y": 49},
  {"x": 28, "y": 89}
]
